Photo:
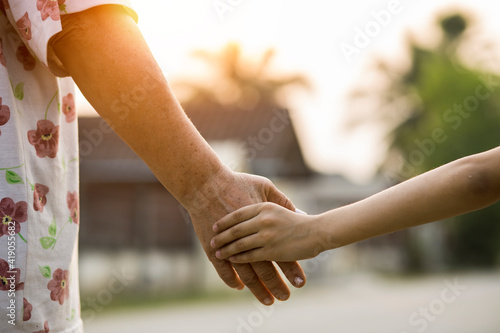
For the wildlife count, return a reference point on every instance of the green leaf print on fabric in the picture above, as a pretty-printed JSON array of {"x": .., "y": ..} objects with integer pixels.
[
  {"x": 50, "y": 241},
  {"x": 19, "y": 91},
  {"x": 13, "y": 178},
  {"x": 65, "y": 164},
  {"x": 50, "y": 102},
  {"x": 73, "y": 311},
  {"x": 32, "y": 185},
  {"x": 53, "y": 227},
  {"x": 47, "y": 242},
  {"x": 45, "y": 270}
]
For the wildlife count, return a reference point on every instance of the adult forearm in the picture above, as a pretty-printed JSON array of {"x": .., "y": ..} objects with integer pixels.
[{"x": 105, "y": 53}]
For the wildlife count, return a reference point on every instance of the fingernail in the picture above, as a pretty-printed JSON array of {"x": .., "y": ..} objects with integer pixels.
[
  {"x": 217, "y": 254},
  {"x": 214, "y": 227},
  {"x": 268, "y": 301},
  {"x": 212, "y": 243},
  {"x": 298, "y": 211},
  {"x": 298, "y": 281},
  {"x": 283, "y": 297}
]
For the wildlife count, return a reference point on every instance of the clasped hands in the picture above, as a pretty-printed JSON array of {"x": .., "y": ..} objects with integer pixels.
[{"x": 222, "y": 194}]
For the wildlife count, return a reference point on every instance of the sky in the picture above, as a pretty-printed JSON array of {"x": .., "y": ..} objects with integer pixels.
[{"x": 311, "y": 37}]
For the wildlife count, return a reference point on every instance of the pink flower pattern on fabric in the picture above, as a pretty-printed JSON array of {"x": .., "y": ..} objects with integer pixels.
[
  {"x": 24, "y": 56},
  {"x": 40, "y": 197},
  {"x": 74, "y": 209},
  {"x": 39, "y": 133},
  {"x": 2, "y": 57},
  {"x": 68, "y": 107},
  {"x": 45, "y": 328},
  {"x": 49, "y": 8},
  {"x": 7, "y": 275},
  {"x": 4, "y": 114},
  {"x": 12, "y": 214},
  {"x": 24, "y": 26},
  {"x": 59, "y": 286},
  {"x": 45, "y": 138},
  {"x": 27, "y": 307}
]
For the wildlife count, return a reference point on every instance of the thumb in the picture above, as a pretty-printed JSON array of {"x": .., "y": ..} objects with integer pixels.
[{"x": 274, "y": 195}]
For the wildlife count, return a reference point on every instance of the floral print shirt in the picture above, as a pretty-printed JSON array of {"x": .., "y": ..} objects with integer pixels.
[{"x": 39, "y": 209}]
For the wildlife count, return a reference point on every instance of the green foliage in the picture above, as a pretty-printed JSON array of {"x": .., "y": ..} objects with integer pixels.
[{"x": 451, "y": 111}]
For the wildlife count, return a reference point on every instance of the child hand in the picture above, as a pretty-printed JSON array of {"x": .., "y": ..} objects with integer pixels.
[{"x": 266, "y": 232}]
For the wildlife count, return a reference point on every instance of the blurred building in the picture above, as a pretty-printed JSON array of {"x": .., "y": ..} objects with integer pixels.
[{"x": 124, "y": 209}]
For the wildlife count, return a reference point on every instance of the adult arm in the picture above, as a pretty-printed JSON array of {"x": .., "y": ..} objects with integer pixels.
[{"x": 107, "y": 56}]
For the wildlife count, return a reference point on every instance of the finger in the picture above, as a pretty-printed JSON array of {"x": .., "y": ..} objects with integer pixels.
[
  {"x": 248, "y": 256},
  {"x": 227, "y": 274},
  {"x": 239, "y": 215},
  {"x": 234, "y": 233},
  {"x": 293, "y": 272},
  {"x": 275, "y": 195},
  {"x": 254, "y": 284},
  {"x": 268, "y": 274},
  {"x": 240, "y": 245}
]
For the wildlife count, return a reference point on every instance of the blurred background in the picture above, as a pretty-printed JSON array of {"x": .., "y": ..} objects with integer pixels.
[{"x": 333, "y": 103}]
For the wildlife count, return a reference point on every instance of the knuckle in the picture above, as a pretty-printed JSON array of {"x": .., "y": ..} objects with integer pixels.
[
  {"x": 265, "y": 181},
  {"x": 250, "y": 281},
  {"x": 267, "y": 206},
  {"x": 239, "y": 245},
  {"x": 267, "y": 275},
  {"x": 228, "y": 278},
  {"x": 249, "y": 256},
  {"x": 267, "y": 222},
  {"x": 235, "y": 231},
  {"x": 238, "y": 216},
  {"x": 265, "y": 235}
]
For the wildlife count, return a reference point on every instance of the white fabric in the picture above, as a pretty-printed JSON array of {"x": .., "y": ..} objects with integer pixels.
[{"x": 38, "y": 173}]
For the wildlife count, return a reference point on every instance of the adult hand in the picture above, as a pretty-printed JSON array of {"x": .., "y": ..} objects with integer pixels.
[{"x": 221, "y": 195}]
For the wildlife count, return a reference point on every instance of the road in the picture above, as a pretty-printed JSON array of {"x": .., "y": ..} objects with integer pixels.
[{"x": 465, "y": 303}]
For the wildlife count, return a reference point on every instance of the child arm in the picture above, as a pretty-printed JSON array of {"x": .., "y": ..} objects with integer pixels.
[{"x": 270, "y": 233}]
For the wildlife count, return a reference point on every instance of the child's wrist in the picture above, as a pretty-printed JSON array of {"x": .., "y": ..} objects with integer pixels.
[
  {"x": 329, "y": 231},
  {"x": 321, "y": 233}
]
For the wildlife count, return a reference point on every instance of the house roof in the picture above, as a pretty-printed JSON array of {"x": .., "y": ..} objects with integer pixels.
[{"x": 266, "y": 135}]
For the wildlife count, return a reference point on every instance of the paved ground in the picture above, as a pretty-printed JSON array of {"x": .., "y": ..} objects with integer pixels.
[{"x": 466, "y": 303}]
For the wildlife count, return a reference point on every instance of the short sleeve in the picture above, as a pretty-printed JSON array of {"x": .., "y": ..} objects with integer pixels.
[{"x": 37, "y": 21}]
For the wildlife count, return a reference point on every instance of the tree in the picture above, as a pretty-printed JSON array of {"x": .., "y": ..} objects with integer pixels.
[
  {"x": 437, "y": 109},
  {"x": 238, "y": 83}
]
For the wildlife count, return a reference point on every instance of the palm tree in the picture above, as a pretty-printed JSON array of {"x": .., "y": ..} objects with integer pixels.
[{"x": 238, "y": 83}]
